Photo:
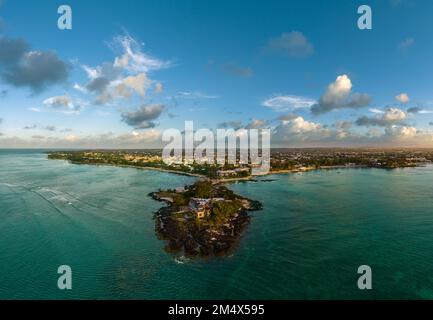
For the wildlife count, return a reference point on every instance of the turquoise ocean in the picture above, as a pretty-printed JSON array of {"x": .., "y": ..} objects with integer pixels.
[{"x": 314, "y": 232}]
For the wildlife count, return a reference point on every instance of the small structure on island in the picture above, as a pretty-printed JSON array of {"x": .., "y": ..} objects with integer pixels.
[
  {"x": 226, "y": 173},
  {"x": 200, "y": 206}
]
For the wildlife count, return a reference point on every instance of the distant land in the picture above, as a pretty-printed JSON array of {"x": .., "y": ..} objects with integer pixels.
[{"x": 281, "y": 161}]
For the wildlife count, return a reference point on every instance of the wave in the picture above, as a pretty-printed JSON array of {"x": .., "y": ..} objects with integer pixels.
[{"x": 181, "y": 260}]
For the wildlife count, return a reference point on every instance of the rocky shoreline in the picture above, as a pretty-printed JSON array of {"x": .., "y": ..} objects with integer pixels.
[{"x": 214, "y": 235}]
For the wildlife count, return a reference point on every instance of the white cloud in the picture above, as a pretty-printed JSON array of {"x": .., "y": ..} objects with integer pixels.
[
  {"x": 134, "y": 59},
  {"x": 390, "y": 117},
  {"x": 297, "y": 129},
  {"x": 339, "y": 96},
  {"x": 281, "y": 103},
  {"x": 194, "y": 95},
  {"x": 59, "y": 101},
  {"x": 126, "y": 76},
  {"x": 92, "y": 73},
  {"x": 126, "y": 86},
  {"x": 299, "y": 132},
  {"x": 401, "y": 133},
  {"x": 300, "y": 125},
  {"x": 402, "y": 98},
  {"x": 394, "y": 114},
  {"x": 338, "y": 90},
  {"x": 63, "y": 104},
  {"x": 375, "y": 110},
  {"x": 80, "y": 88}
]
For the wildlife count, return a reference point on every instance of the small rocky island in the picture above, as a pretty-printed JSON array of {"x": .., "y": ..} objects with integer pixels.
[{"x": 203, "y": 219}]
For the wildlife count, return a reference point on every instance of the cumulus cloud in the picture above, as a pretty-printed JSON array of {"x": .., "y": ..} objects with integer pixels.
[
  {"x": 63, "y": 104},
  {"x": 299, "y": 132},
  {"x": 394, "y": 115},
  {"x": 282, "y": 103},
  {"x": 98, "y": 84},
  {"x": 256, "y": 124},
  {"x": 143, "y": 117},
  {"x": 59, "y": 101},
  {"x": 401, "y": 132},
  {"x": 339, "y": 96},
  {"x": 296, "y": 129},
  {"x": 12, "y": 50},
  {"x": 291, "y": 44},
  {"x": 36, "y": 70},
  {"x": 388, "y": 118},
  {"x": 138, "y": 83},
  {"x": 402, "y": 98}
]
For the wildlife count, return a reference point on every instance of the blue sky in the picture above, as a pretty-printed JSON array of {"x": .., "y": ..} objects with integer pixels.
[{"x": 130, "y": 69}]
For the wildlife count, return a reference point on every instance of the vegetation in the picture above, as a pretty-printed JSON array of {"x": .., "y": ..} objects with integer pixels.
[
  {"x": 281, "y": 160},
  {"x": 215, "y": 232}
]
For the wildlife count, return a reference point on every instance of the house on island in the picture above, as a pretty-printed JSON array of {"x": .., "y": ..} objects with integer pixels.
[{"x": 200, "y": 206}]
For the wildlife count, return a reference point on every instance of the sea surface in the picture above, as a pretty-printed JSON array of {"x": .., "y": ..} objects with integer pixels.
[{"x": 314, "y": 232}]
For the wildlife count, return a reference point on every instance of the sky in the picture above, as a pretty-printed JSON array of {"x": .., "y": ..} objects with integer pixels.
[{"x": 128, "y": 70}]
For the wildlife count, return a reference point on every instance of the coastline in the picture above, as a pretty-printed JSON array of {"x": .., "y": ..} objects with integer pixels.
[
  {"x": 214, "y": 181},
  {"x": 228, "y": 180},
  {"x": 140, "y": 167}
]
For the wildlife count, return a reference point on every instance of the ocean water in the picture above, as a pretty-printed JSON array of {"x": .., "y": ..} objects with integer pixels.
[{"x": 316, "y": 228}]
